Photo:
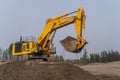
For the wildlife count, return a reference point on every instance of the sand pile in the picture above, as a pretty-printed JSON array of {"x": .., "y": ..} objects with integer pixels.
[{"x": 24, "y": 70}]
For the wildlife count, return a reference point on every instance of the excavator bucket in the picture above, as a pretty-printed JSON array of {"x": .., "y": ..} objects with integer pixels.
[{"x": 70, "y": 44}]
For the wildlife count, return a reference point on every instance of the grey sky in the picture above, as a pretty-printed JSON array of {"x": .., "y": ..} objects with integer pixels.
[{"x": 28, "y": 18}]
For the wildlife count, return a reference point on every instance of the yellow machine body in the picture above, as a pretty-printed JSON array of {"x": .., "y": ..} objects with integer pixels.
[
  {"x": 20, "y": 48},
  {"x": 43, "y": 45}
]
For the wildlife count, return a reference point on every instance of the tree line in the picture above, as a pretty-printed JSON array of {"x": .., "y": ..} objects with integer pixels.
[{"x": 103, "y": 56}]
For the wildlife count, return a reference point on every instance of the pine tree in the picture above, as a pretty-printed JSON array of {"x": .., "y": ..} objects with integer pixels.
[
  {"x": 61, "y": 58},
  {"x": 84, "y": 58},
  {"x": 57, "y": 58}
]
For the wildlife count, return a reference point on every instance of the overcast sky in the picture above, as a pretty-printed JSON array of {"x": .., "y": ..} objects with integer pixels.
[{"x": 28, "y": 18}]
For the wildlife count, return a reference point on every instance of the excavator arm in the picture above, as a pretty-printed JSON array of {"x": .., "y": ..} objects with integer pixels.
[{"x": 54, "y": 24}]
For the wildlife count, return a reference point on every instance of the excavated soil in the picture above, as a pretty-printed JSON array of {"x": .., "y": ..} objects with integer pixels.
[
  {"x": 69, "y": 44},
  {"x": 24, "y": 70}
]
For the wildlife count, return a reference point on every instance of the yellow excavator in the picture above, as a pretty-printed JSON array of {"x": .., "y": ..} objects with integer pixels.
[{"x": 43, "y": 46}]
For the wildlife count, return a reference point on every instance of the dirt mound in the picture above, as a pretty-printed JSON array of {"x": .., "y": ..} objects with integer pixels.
[{"x": 23, "y": 70}]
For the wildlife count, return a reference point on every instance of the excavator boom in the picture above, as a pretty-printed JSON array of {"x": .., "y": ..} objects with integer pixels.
[{"x": 54, "y": 24}]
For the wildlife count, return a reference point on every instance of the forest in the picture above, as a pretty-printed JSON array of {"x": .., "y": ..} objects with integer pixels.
[{"x": 102, "y": 57}]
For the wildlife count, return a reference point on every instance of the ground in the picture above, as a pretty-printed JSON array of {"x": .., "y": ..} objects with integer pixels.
[
  {"x": 31, "y": 70},
  {"x": 104, "y": 71}
]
